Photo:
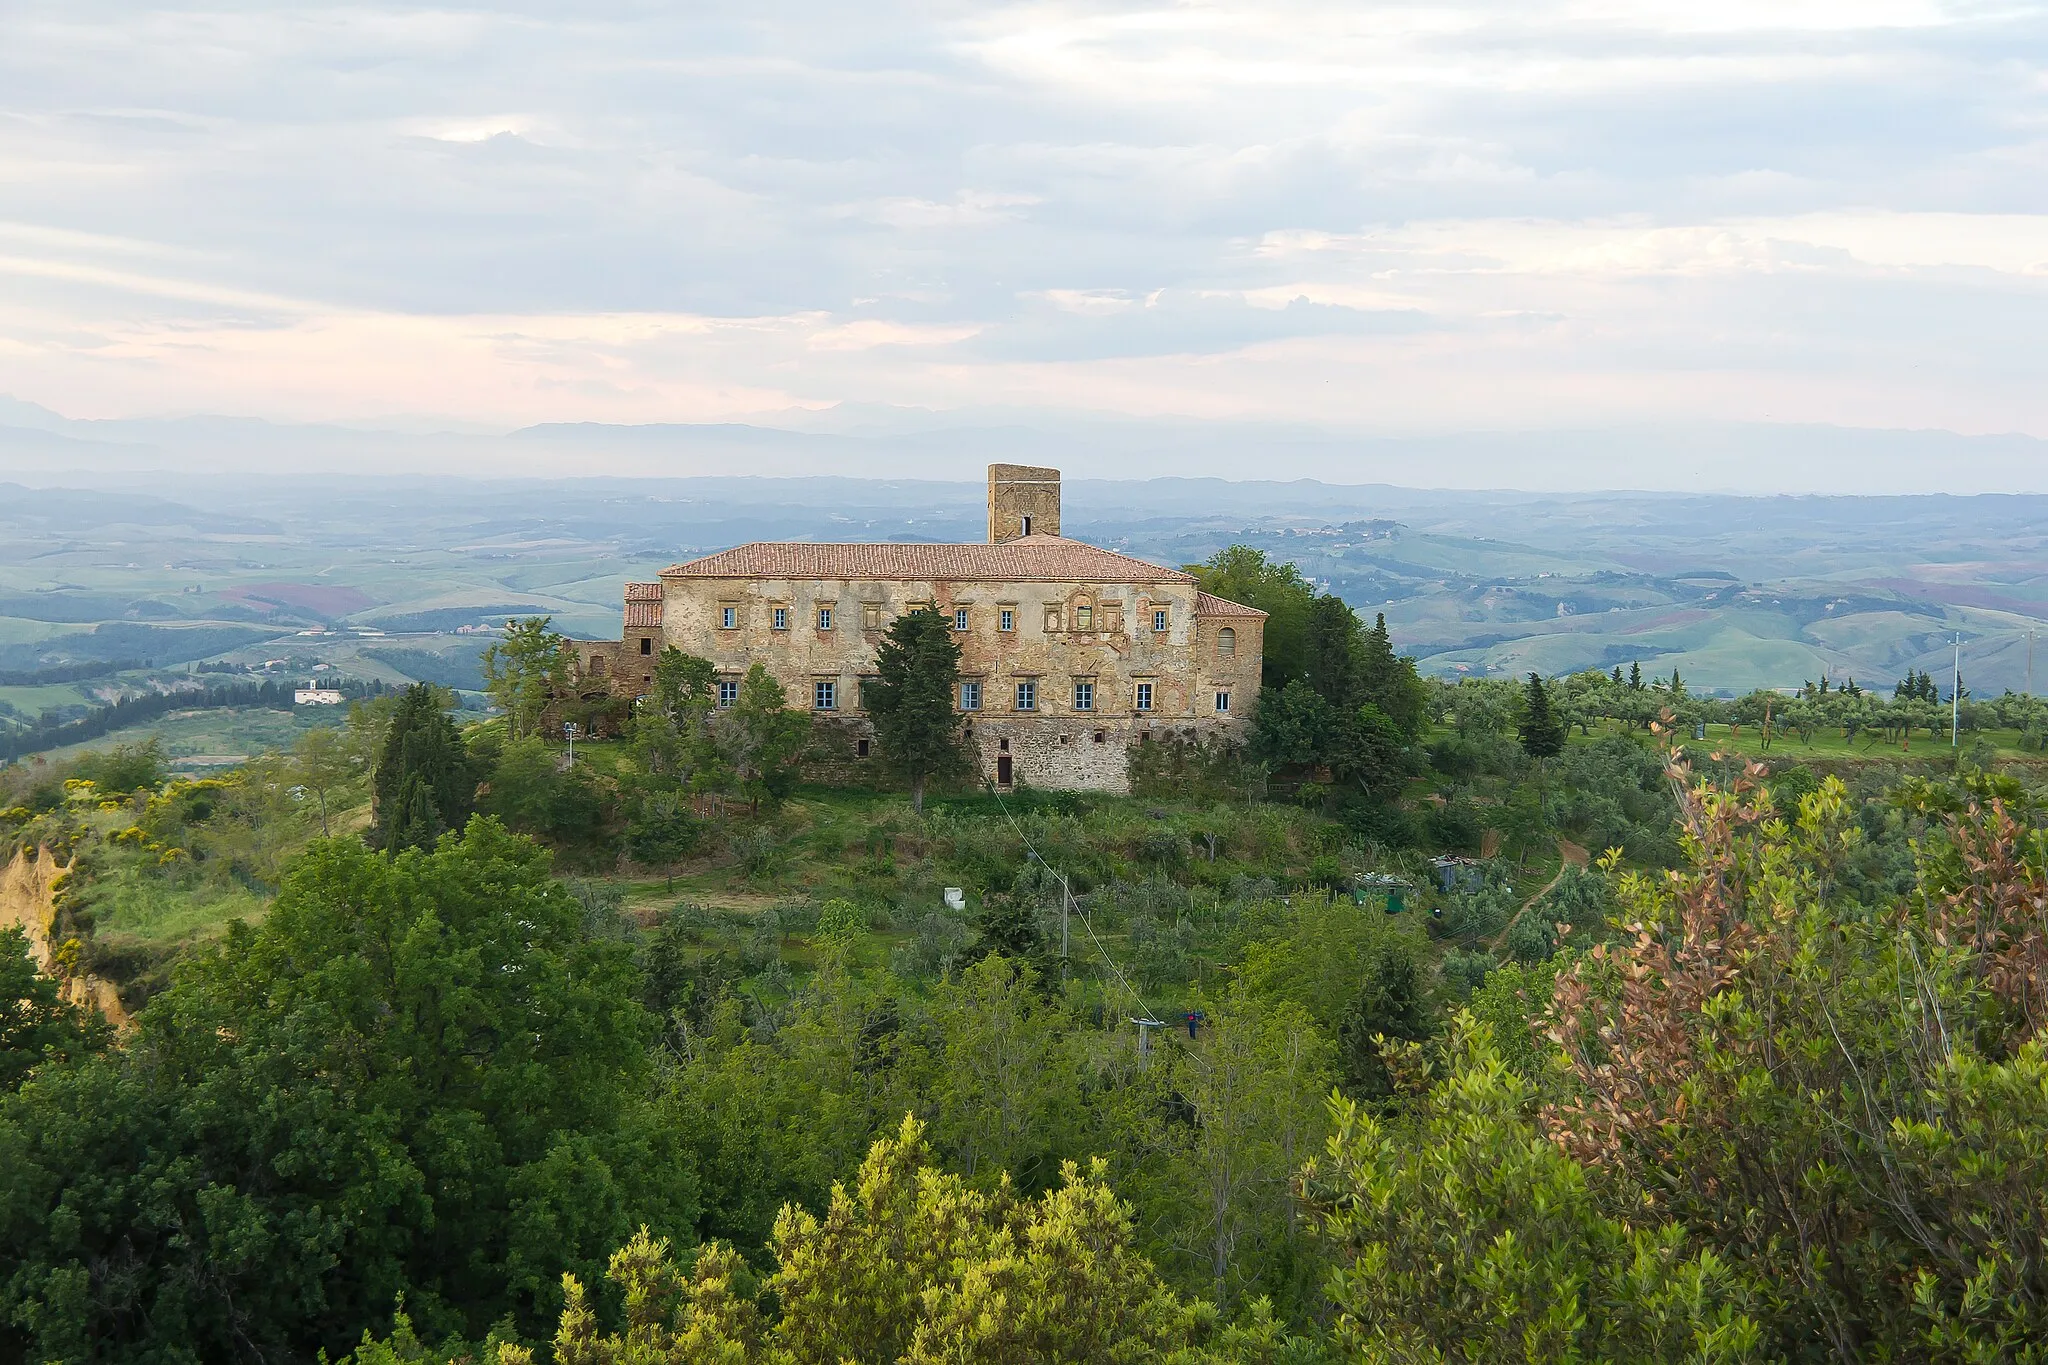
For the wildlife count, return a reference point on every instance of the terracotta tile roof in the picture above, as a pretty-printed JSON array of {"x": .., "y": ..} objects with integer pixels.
[
  {"x": 1209, "y": 604},
  {"x": 643, "y": 592},
  {"x": 1037, "y": 558},
  {"x": 642, "y": 615}
]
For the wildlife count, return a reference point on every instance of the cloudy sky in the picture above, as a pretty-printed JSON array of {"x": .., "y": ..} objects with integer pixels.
[{"x": 1477, "y": 214}]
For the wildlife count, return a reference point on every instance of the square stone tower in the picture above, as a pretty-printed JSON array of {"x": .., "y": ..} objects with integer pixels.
[{"x": 1022, "y": 501}]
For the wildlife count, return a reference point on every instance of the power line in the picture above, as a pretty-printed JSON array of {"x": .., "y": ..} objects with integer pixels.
[{"x": 1070, "y": 900}]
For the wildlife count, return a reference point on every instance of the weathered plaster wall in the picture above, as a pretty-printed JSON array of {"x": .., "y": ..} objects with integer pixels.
[
  {"x": 1017, "y": 491},
  {"x": 1117, "y": 650}
]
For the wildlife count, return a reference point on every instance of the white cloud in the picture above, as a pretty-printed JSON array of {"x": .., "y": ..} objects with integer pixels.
[{"x": 1407, "y": 215}]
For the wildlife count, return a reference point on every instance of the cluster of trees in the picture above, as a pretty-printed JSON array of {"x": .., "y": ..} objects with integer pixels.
[
  {"x": 1768, "y": 1111},
  {"x": 1770, "y": 1086},
  {"x": 446, "y": 1075},
  {"x": 1914, "y": 686},
  {"x": 66, "y": 673},
  {"x": 51, "y": 733},
  {"x": 752, "y": 747},
  {"x": 1580, "y": 699},
  {"x": 1335, "y": 697}
]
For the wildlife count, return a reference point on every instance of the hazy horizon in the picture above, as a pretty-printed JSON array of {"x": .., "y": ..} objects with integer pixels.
[{"x": 1273, "y": 232}]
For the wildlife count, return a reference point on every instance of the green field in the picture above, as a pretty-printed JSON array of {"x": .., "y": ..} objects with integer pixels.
[{"x": 372, "y": 579}]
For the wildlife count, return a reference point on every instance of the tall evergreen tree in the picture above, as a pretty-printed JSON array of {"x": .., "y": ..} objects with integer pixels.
[
  {"x": 1635, "y": 675},
  {"x": 1390, "y": 681},
  {"x": 911, "y": 700},
  {"x": 1333, "y": 660},
  {"x": 1542, "y": 732},
  {"x": 425, "y": 783}
]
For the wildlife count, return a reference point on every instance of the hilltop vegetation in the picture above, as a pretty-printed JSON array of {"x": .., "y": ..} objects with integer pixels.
[
  {"x": 107, "y": 595},
  {"x": 443, "y": 1048}
]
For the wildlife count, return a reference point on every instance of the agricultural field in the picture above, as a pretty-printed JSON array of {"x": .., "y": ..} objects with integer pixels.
[{"x": 393, "y": 581}]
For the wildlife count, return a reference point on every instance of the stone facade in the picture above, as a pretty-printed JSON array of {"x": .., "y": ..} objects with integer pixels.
[{"x": 1070, "y": 653}]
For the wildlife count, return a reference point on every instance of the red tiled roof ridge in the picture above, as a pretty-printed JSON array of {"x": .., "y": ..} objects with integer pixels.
[
  {"x": 1035, "y": 557},
  {"x": 1209, "y": 604}
]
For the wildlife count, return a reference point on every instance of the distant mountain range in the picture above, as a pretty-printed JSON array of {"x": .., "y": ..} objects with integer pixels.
[{"x": 38, "y": 446}]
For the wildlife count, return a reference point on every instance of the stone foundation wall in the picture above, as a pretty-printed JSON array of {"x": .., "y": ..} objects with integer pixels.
[
  {"x": 1072, "y": 754},
  {"x": 1047, "y": 753}
]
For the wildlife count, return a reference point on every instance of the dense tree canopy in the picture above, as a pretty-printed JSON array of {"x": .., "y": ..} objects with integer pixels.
[
  {"x": 1742, "y": 1064},
  {"x": 425, "y": 784},
  {"x": 36, "y": 1023},
  {"x": 911, "y": 701},
  {"x": 525, "y": 672},
  {"x": 422, "y": 1069},
  {"x": 760, "y": 739},
  {"x": 1244, "y": 575}
]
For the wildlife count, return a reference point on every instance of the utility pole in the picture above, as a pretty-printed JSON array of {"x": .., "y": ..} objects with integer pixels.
[{"x": 1955, "y": 696}]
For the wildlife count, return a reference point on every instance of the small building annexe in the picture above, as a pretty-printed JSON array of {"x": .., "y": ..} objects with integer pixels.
[{"x": 1069, "y": 653}]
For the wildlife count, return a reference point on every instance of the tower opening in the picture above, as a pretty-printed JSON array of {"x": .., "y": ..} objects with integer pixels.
[{"x": 1023, "y": 500}]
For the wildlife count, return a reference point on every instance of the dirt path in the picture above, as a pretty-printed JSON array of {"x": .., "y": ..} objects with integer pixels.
[{"x": 1569, "y": 855}]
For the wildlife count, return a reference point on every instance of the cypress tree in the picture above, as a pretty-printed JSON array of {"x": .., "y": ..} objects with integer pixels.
[
  {"x": 1335, "y": 653},
  {"x": 911, "y": 700},
  {"x": 1635, "y": 675},
  {"x": 1390, "y": 681},
  {"x": 424, "y": 784},
  {"x": 1542, "y": 732}
]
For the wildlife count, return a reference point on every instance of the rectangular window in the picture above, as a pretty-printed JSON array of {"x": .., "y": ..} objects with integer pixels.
[
  {"x": 646, "y": 645},
  {"x": 1027, "y": 696},
  {"x": 860, "y": 691},
  {"x": 959, "y": 618},
  {"x": 781, "y": 621},
  {"x": 1084, "y": 696},
  {"x": 825, "y": 695},
  {"x": 728, "y": 692},
  {"x": 1158, "y": 620},
  {"x": 1144, "y": 696},
  {"x": 1052, "y": 620},
  {"x": 870, "y": 616},
  {"x": 824, "y": 618},
  {"x": 1084, "y": 618},
  {"x": 1222, "y": 703},
  {"x": 970, "y": 696},
  {"x": 1006, "y": 620},
  {"x": 728, "y": 618}
]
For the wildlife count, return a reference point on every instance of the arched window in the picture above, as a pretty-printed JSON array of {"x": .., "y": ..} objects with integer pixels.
[{"x": 1226, "y": 642}]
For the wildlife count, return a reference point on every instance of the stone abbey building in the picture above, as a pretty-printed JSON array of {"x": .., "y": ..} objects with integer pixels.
[{"x": 1069, "y": 653}]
